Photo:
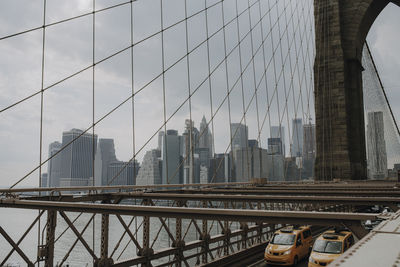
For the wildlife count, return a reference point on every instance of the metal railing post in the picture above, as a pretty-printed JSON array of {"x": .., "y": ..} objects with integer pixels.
[{"x": 50, "y": 236}]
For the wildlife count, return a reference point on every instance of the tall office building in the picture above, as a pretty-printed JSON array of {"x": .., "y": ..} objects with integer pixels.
[
  {"x": 171, "y": 159},
  {"x": 275, "y": 158},
  {"x": 44, "y": 182},
  {"x": 258, "y": 162},
  {"x": 297, "y": 138},
  {"x": 204, "y": 156},
  {"x": 309, "y": 151},
  {"x": 275, "y": 167},
  {"x": 252, "y": 143},
  {"x": 376, "y": 146},
  {"x": 249, "y": 163},
  {"x": 122, "y": 173},
  {"x": 275, "y": 146},
  {"x": 309, "y": 141},
  {"x": 105, "y": 154},
  {"x": 242, "y": 164},
  {"x": 279, "y": 132},
  {"x": 77, "y": 158},
  {"x": 203, "y": 175},
  {"x": 54, "y": 165},
  {"x": 220, "y": 169},
  {"x": 292, "y": 172},
  {"x": 240, "y": 135},
  {"x": 205, "y": 139},
  {"x": 159, "y": 141},
  {"x": 151, "y": 169},
  {"x": 190, "y": 144}
]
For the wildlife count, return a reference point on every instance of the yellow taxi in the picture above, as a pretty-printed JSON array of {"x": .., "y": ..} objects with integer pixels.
[
  {"x": 289, "y": 245},
  {"x": 329, "y": 246}
]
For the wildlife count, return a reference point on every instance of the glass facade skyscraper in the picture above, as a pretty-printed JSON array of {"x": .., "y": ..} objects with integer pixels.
[
  {"x": 54, "y": 166},
  {"x": 376, "y": 146},
  {"x": 77, "y": 157},
  {"x": 240, "y": 135},
  {"x": 297, "y": 138}
]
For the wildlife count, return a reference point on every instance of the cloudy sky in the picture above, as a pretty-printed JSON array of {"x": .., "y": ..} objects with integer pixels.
[{"x": 282, "y": 92}]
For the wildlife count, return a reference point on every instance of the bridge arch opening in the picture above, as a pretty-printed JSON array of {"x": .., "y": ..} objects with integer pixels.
[
  {"x": 368, "y": 19},
  {"x": 341, "y": 30},
  {"x": 381, "y": 61}
]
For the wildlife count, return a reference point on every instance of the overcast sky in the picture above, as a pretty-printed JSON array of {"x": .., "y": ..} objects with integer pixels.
[{"x": 69, "y": 47}]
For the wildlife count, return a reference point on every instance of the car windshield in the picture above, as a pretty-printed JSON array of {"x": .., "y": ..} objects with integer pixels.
[
  {"x": 324, "y": 246},
  {"x": 283, "y": 239}
]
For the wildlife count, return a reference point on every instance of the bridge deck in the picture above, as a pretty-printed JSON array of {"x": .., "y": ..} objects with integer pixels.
[{"x": 379, "y": 248}]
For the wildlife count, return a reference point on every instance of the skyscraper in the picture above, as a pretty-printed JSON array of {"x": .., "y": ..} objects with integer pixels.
[
  {"x": 376, "y": 146},
  {"x": 54, "y": 166},
  {"x": 242, "y": 164},
  {"x": 275, "y": 167},
  {"x": 252, "y": 143},
  {"x": 205, "y": 139},
  {"x": 309, "y": 141},
  {"x": 279, "y": 132},
  {"x": 240, "y": 135},
  {"x": 105, "y": 154},
  {"x": 122, "y": 173},
  {"x": 220, "y": 169},
  {"x": 44, "y": 182},
  {"x": 309, "y": 151},
  {"x": 275, "y": 146},
  {"x": 77, "y": 157},
  {"x": 191, "y": 143},
  {"x": 151, "y": 168},
  {"x": 297, "y": 138},
  {"x": 160, "y": 137},
  {"x": 171, "y": 159}
]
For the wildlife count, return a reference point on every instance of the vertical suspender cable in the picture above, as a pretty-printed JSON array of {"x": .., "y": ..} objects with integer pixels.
[
  {"x": 133, "y": 108},
  {"x": 93, "y": 106},
  {"x": 209, "y": 85},
  {"x": 242, "y": 87},
  {"x": 227, "y": 90},
  {"x": 41, "y": 108},
  {"x": 191, "y": 141},
  {"x": 164, "y": 150}
]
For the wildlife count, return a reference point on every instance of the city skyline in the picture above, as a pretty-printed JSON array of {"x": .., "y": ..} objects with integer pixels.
[
  {"x": 177, "y": 157},
  {"x": 67, "y": 106}
]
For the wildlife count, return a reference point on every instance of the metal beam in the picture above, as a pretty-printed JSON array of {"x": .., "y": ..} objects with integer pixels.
[
  {"x": 371, "y": 193},
  {"x": 345, "y": 185},
  {"x": 283, "y": 217},
  {"x": 15, "y": 246},
  {"x": 22, "y": 238},
  {"x": 78, "y": 235},
  {"x": 116, "y": 187},
  {"x": 265, "y": 198},
  {"x": 50, "y": 237}
]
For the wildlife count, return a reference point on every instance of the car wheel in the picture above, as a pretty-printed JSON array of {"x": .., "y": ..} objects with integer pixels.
[{"x": 295, "y": 261}]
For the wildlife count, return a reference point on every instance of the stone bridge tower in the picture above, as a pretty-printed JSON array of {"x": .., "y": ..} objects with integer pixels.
[{"x": 341, "y": 28}]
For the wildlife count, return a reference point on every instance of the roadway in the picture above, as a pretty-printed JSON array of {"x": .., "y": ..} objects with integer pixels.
[
  {"x": 303, "y": 263},
  {"x": 317, "y": 230}
]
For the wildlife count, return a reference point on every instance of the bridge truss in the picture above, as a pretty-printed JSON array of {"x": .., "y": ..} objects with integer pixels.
[{"x": 170, "y": 225}]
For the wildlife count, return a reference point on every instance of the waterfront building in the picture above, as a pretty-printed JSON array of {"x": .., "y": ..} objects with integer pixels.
[
  {"x": 172, "y": 166},
  {"x": 78, "y": 155},
  {"x": 54, "y": 165},
  {"x": 105, "y": 154},
  {"x": 376, "y": 146}
]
